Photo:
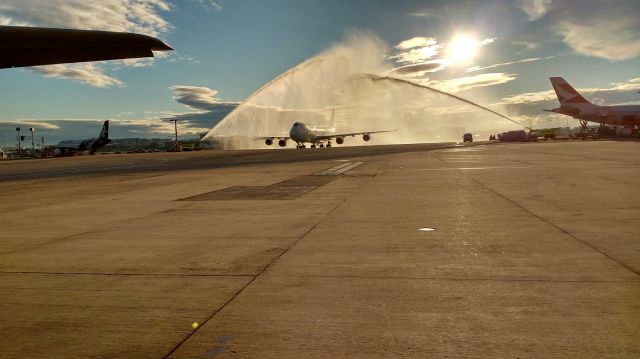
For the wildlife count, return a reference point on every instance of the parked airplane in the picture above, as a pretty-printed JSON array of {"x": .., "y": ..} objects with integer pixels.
[
  {"x": 574, "y": 105},
  {"x": 90, "y": 144},
  {"x": 34, "y": 46},
  {"x": 302, "y": 133}
]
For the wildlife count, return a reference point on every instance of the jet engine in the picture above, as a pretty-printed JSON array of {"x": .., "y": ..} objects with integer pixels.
[
  {"x": 366, "y": 137},
  {"x": 269, "y": 142},
  {"x": 339, "y": 140},
  {"x": 282, "y": 143}
]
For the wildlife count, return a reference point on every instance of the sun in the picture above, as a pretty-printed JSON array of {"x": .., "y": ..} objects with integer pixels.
[{"x": 462, "y": 49}]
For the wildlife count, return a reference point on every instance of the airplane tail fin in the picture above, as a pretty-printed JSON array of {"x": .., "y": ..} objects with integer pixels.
[
  {"x": 104, "y": 134},
  {"x": 567, "y": 95}
]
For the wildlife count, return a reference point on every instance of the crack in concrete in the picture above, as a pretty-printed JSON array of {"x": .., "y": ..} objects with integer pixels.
[{"x": 264, "y": 270}]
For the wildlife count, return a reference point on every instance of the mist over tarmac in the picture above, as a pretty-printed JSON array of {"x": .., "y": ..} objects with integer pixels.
[{"x": 352, "y": 80}]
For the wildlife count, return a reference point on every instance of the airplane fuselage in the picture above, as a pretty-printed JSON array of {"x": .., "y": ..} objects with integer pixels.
[
  {"x": 573, "y": 104},
  {"x": 90, "y": 144},
  {"x": 301, "y": 133},
  {"x": 610, "y": 115}
]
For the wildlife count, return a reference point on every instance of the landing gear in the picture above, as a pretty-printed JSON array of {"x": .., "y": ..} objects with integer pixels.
[
  {"x": 313, "y": 145},
  {"x": 584, "y": 130},
  {"x": 328, "y": 144},
  {"x": 300, "y": 145},
  {"x": 321, "y": 145}
]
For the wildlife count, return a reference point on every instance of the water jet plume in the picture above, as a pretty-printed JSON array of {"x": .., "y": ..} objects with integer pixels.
[{"x": 344, "y": 80}]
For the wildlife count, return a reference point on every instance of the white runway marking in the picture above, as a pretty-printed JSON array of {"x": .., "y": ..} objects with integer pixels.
[
  {"x": 339, "y": 169},
  {"x": 348, "y": 168}
]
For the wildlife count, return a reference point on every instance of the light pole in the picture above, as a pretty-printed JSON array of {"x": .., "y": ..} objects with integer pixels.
[
  {"x": 33, "y": 144},
  {"x": 18, "y": 138},
  {"x": 175, "y": 123},
  {"x": 41, "y": 145}
]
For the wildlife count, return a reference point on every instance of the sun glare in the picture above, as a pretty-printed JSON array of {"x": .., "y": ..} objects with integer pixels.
[{"x": 462, "y": 49}]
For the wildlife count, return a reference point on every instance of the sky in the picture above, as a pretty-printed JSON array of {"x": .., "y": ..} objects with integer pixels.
[{"x": 497, "y": 53}]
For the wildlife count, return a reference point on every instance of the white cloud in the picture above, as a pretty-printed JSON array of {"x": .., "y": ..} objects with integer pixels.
[
  {"x": 529, "y": 97},
  {"x": 416, "y": 50},
  {"x": 87, "y": 73},
  {"x": 201, "y": 98},
  {"x": 140, "y": 16},
  {"x": 211, "y": 4},
  {"x": 488, "y": 41},
  {"x": 418, "y": 41},
  {"x": 535, "y": 9},
  {"x": 209, "y": 109},
  {"x": 612, "y": 39},
  {"x": 419, "y": 49},
  {"x": 532, "y": 59},
  {"x": 176, "y": 56},
  {"x": 549, "y": 95},
  {"x": 608, "y": 30},
  {"x": 191, "y": 95},
  {"x": 418, "y": 70},
  {"x": 26, "y": 123},
  {"x": 469, "y": 82},
  {"x": 529, "y": 45},
  {"x": 426, "y": 13}
]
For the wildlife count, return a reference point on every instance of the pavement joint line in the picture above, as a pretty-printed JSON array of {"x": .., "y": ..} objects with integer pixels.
[
  {"x": 126, "y": 274},
  {"x": 456, "y": 168},
  {"x": 459, "y": 279},
  {"x": 582, "y": 157},
  {"x": 562, "y": 230},
  {"x": 71, "y": 236},
  {"x": 253, "y": 279},
  {"x": 83, "y": 169},
  {"x": 45, "y": 243}
]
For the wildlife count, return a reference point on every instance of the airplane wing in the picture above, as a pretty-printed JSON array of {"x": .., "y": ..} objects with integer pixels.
[
  {"x": 565, "y": 111},
  {"x": 334, "y": 135},
  {"x": 272, "y": 137},
  {"x": 34, "y": 46}
]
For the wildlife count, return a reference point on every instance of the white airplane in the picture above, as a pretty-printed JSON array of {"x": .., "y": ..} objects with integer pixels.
[
  {"x": 302, "y": 133},
  {"x": 574, "y": 105}
]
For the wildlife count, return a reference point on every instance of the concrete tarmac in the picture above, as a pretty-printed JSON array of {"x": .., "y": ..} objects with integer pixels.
[{"x": 502, "y": 250}]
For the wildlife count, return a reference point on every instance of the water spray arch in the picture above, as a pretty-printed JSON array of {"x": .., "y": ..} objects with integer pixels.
[
  {"x": 410, "y": 83},
  {"x": 231, "y": 114},
  {"x": 343, "y": 80}
]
